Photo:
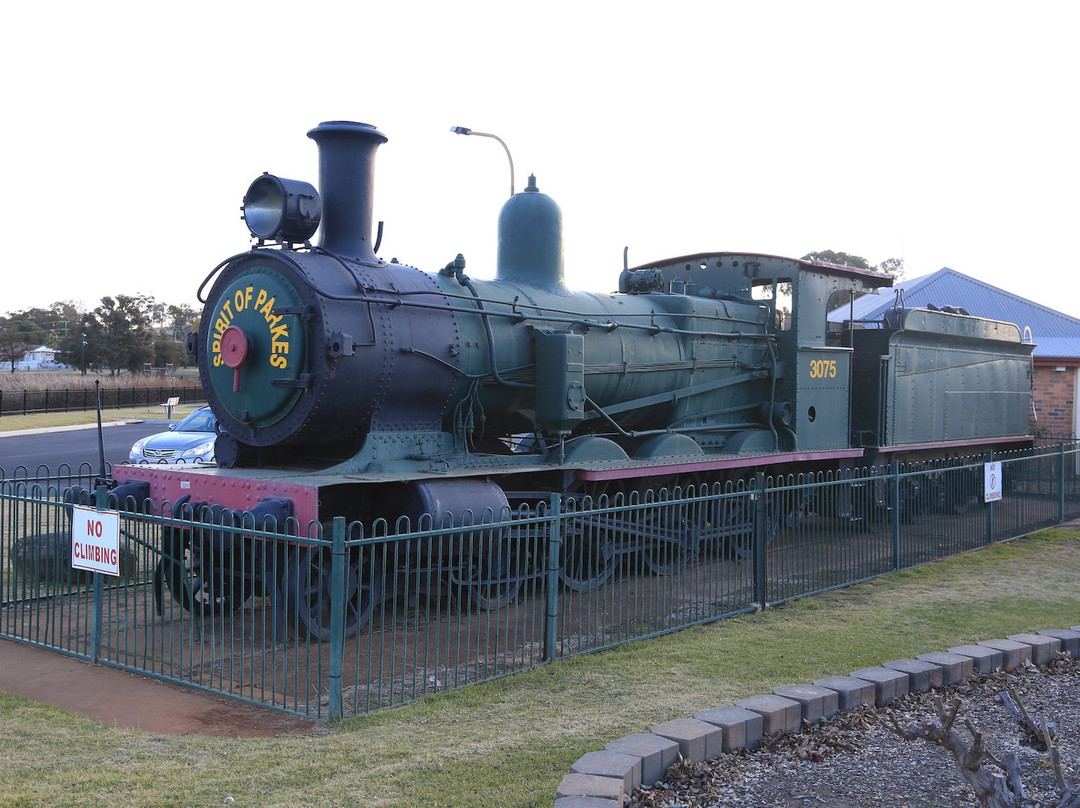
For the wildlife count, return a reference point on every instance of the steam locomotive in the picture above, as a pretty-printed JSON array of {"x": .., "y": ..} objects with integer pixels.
[{"x": 346, "y": 385}]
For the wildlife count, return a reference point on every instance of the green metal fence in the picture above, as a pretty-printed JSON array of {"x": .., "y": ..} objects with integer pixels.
[{"x": 336, "y": 620}]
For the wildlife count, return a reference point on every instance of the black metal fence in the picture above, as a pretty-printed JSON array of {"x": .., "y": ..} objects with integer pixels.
[
  {"x": 28, "y": 402},
  {"x": 336, "y": 620}
]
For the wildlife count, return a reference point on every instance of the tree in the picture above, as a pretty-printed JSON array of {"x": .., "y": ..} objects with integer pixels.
[
  {"x": 55, "y": 322},
  {"x": 17, "y": 337},
  {"x": 118, "y": 334},
  {"x": 181, "y": 321},
  {"x": 85, "y": 344},
  {"x": 842, "y": 258},
  {"x": 168, "y": 351},
  {"x": 156, "y": 314},
  {"x": 74, "y": 347},
  {"x": 890, "y": 266},
  {"x": 124, "y": 333}
]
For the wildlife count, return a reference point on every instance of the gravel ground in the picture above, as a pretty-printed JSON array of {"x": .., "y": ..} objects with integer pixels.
[{"x": 857, "y": 760}]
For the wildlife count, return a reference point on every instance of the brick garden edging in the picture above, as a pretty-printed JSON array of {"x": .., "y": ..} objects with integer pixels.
[{"x": 602, "y": 779}]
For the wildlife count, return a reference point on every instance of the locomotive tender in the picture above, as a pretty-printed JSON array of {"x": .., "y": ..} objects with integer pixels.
[{"x": 346, "y": 385}]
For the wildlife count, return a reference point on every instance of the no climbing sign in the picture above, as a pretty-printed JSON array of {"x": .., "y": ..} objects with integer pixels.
[
  {"x": 95, "y": 540},
  {"x": 992, "y": 485}
]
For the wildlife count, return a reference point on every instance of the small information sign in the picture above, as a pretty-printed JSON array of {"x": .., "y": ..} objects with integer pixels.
[
  {"x": 992, "y": 484},
  {"x": 95, "y": 540}
]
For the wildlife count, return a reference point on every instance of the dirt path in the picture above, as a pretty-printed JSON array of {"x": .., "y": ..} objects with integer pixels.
[{"x": 122, "y": 699}]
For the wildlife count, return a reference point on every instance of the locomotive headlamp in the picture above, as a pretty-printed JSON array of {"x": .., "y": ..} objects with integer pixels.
[{"x": 277, "y": 208}]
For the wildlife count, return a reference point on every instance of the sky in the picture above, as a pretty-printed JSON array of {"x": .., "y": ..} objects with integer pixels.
[{"x": 942, "y": 133}]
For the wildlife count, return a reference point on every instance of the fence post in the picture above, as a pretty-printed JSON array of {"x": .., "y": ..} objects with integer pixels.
[
  {"x": 760, "y": 530},
  {"x": 338, "y": 608},
  {"x": 99, "y": 591},
  {"x": 897, "y": 508},
  {"x": 551, "y": 615},
  {"x": 1061, "y": 482},
  {"x": 989, "y": 505}
]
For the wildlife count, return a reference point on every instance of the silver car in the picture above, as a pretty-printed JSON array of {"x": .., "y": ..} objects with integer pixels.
[{"x": 191, "y": 441}]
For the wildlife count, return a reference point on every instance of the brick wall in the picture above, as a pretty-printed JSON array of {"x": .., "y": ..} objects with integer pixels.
[{"x": 1053, "y": 393}]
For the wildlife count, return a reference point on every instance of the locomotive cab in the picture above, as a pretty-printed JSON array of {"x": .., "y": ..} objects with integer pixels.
[{"x": 810, "y": 399}]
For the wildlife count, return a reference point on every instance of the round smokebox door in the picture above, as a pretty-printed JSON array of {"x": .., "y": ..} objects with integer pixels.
[{"x": 255, "y": 347}]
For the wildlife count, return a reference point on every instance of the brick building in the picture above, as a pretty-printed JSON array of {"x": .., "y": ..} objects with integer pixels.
[{"x": 1056, "y": 337}]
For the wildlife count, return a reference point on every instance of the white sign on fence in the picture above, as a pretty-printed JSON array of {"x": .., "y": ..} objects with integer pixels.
[
  {"x": 95, "y": 540},
  {"x": 992, "y": 485}
]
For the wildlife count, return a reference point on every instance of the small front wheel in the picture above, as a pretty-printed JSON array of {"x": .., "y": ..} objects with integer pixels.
[
  {"x": 199, "y": 579},
  {"x": 494, "y": 574},
  {"x": 587, "y": 562},
  {"x": 667, "y": 556},
  {"x": 309, "y": 589}
]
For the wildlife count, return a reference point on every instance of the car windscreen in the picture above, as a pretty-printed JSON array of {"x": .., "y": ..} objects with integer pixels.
[{"x": 197, "y": 422}]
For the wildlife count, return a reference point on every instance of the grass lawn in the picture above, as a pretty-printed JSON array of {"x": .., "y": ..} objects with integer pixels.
[{"x": 509, "y": 742}]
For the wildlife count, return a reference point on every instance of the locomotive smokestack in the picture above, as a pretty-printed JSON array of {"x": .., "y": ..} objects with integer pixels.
[{"x": 346, "y": 183}]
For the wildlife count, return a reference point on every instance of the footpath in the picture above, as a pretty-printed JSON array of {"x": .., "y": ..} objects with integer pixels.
[{"x": 119, "y": 698}]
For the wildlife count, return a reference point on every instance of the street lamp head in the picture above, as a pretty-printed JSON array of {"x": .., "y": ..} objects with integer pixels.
[{"x": 464, "y": 130}]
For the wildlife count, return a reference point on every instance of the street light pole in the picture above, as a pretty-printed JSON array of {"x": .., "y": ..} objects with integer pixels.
[
  {"x": 464, "y": 130},
  {"x": 83, "y": 360}
]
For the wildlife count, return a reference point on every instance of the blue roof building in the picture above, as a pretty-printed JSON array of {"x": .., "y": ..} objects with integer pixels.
[{"x": 1056, "y": 335}]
